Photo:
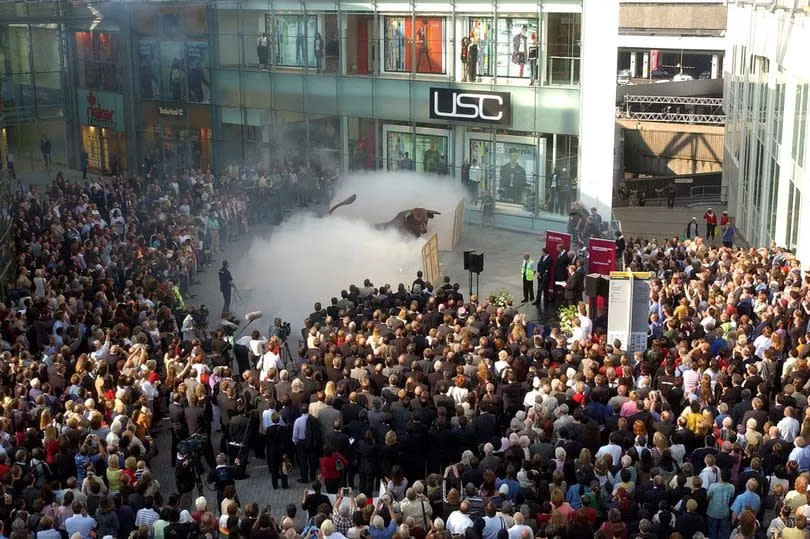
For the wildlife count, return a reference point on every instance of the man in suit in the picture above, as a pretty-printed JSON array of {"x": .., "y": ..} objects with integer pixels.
[
  {"x": 575, "y": 284},
  {"x": 560, "y": 266},
  {"x": 543, "y": 276}
]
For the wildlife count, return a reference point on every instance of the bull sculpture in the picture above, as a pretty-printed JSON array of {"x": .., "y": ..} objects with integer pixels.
[{"x": 413, "y": 221}]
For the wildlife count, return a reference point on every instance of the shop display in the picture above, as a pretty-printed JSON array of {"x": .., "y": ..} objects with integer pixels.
[
  {"x": 516, "y": 165},
  {"x": 148, "y": 68},
  {"x": 431, "y": 154},
  {"x": 482, "y": 33},
  {"x": 399, "y": 149},
  {"x": 199, "y": 87},
  {"x": 295, "y": 40},
  {"x": 410, "y": 43},
  {"x": 513, "y": 46},
  {"x": 173, "y": 74}
]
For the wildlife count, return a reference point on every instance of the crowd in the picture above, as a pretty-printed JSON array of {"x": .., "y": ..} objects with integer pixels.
[{"x": 408, "y": 411}]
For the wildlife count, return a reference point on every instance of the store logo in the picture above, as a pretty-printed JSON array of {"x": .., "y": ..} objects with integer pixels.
[
  {"x": 484, "y": 107},
  {"x": 171, "y": 112},
  {"x": 98, "y": 115}
]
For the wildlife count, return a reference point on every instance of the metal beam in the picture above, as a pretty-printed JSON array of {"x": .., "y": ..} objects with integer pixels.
[
  {"x": 711, "y": 119},
  {"x": 674, "y": 100}
]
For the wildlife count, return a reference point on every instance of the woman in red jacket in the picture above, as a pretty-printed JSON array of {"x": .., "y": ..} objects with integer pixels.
[{"x": 332, "y": 466}]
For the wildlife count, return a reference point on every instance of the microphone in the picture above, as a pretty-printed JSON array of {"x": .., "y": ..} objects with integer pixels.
[
  {"x": 255, "y": 315},
  {"x": 228, "y": 324}
]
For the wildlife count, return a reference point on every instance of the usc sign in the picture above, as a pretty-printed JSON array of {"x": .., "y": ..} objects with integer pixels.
[{"x": 470, "y": 106}]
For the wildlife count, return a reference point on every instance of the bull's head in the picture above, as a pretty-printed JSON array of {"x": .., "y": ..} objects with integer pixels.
[{"x": 416, "y": 220}]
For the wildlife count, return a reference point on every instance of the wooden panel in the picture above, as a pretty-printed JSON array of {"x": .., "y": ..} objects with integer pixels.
[{"x": 430, "y": 259}]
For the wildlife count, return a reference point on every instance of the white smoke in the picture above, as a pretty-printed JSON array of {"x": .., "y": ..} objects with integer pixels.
[{"x": 308, "y": 259}]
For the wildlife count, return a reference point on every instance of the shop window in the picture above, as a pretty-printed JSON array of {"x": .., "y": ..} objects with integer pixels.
[
  {"x": 148, "y": 69},
  {"x": 423, "y": 151},
  {"x": 362, "y": 144},
  {"x": 359, "y": 45},
  {"x": 413, "y": 44},
  {"x": 199, "y": 85},
  {"x": 563, "y": 47},
  {"x": 172, "y": 72},
  {"x": 517, "y": 47},
  {"x": 295, "y": 40},
  {"x": 508, "y": 168},
  {"x": 476, "y": 46}
]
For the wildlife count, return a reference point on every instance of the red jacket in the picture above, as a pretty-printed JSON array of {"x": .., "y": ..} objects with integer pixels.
[{"x": 711, "y": 218}]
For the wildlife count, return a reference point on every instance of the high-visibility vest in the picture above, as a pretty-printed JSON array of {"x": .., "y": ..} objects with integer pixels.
[
  {"x": 527, "y": 270},
  {"x": 179, "y": 297}
]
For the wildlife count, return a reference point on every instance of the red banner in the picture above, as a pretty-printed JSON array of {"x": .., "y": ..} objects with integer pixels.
[
  {"x": 653, "y": 59},
  {"x": 601, "y": 256},
  {"x": 553, "y": 239}
]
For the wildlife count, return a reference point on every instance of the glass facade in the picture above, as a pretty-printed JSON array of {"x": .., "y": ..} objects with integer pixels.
[
  {"x": 32, "y": 94},
  {"x": 349, "y": 88},
  {"x": 170, "y": 86}
]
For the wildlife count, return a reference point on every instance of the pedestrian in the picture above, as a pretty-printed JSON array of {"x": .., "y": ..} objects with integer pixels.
[
  {"x": 543, "y": 276},
  {"x": 45, "y": 148},
  {"x": 670, "y": 192},
  {"x": 692, "y": 228},
  {"x": 10, "y": 164},
  {"x": 84, "y": 159},
  {"x": 225, "y": 285},
  {"x": 711, "y": 224},
  {"x": 527, "y": 275},
  {"x": 728, "y": 234}
]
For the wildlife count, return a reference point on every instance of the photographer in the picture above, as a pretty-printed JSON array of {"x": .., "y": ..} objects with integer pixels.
[
  {"x": 222, "y": 476},
  {"x": 185, "y": 477}
]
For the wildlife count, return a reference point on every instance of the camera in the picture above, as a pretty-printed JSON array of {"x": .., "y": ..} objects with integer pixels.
[
  {"x": 192, "y": 446},
  {"x": 200, "y": 316},
  {"x": 284, "y": 331}
]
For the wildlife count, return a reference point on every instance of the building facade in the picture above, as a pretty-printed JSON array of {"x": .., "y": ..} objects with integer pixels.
[
  {"x": 662, "y": 38},
  {"x": 766, "y": 144},
  {"x": 510, "y": 95}
]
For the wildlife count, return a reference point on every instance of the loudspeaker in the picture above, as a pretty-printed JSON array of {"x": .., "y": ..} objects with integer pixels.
[
  {"x": 476, "y": 262},
  {"x": 467, "y": 260}
]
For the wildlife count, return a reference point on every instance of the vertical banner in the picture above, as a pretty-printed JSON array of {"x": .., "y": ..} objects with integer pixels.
[
  {"x": 654, "y": 59},
  {"x": 553, "y": 239},
  {"x": 601, "y": 256}
]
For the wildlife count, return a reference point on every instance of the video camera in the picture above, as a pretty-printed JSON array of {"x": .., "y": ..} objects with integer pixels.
[
  {"x": 200, "y": 317},
  {"x": 192, "y": 446},
  {"x": 284, "y": 331}
]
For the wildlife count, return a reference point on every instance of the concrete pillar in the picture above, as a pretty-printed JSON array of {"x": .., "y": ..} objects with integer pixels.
[
  {"x": 633, "y": 66},
  {"x": 715, "y": 66},
  {"x": 645, "y": 66},
  {"x": 597, "y": 120}
]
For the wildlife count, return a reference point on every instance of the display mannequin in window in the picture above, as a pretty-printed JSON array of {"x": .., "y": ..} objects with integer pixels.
[
  {"x": 472, "y": 59},
  {"x": 533, "y": 50},
  {"x": 432, "y": 158},
  {"x": 263, "y": 49},
  {"x": 176, "y": 80},
  {"x": 520, "y": 49},
  {"x": 282, "y": 29},
  {"x": 301, "y": 42},
  {"x": 422, "y": 50},
  {"x": 465, "y": 45},
  {"x": 317, "y": 45},
  {"x": 513, "y": 180}
]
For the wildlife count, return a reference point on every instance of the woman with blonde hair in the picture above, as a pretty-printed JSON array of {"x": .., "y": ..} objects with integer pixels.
[{"x": 113, "y": 473}]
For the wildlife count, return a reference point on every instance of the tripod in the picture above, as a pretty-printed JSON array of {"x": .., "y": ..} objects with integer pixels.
[{"x": 287, "y": 358}]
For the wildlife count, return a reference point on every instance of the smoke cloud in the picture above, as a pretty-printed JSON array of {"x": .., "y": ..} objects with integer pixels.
[{"x": 309, "y": 258}]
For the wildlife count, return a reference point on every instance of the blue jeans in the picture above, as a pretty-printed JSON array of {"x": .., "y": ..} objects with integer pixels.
[{"x": 719, "y": 528}]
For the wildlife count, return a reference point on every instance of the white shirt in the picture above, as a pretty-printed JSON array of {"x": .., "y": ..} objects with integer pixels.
[
  {"x": 458, "y": 522},
  {"x": 613, "y": 450},
  {"x": 517, "y": 529},
  {"x": 587, "y": 326},
  {"x": 788, "y": 428},
  {"x": 475, "y": 174}
]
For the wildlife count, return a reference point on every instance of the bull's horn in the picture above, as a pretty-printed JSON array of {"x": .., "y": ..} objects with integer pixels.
[
  {"x": 431, "y": 213},
  {"x": 346, "y": 202}
]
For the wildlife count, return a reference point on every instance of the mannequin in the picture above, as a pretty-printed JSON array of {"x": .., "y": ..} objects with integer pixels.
[
  {"x": 465, "y": 44},
  {"x": 520, "y": 49},
  {"x": 533, "y": 50},
  {"x": 472, "y": 59},
  {"x": 318, "y": 48},
  {"x": 422, "y": 49},
  {"x": 300, "y": 42}
]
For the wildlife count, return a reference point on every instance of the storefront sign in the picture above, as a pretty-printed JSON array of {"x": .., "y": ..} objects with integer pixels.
[
  {"x": 101, "y": 109},
  {"x": 172, "y": 111},
  {"x": 470, "y": 106}
]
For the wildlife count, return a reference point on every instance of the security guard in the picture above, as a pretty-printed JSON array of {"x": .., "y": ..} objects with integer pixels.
[{"x": 527, "y": 275}]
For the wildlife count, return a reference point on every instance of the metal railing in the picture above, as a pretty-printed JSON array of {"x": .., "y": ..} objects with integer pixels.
[
  {"x": 702, "y": 192},
  {"x": 676, "y": 117},
  {"x": 563, "y": 70}
]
